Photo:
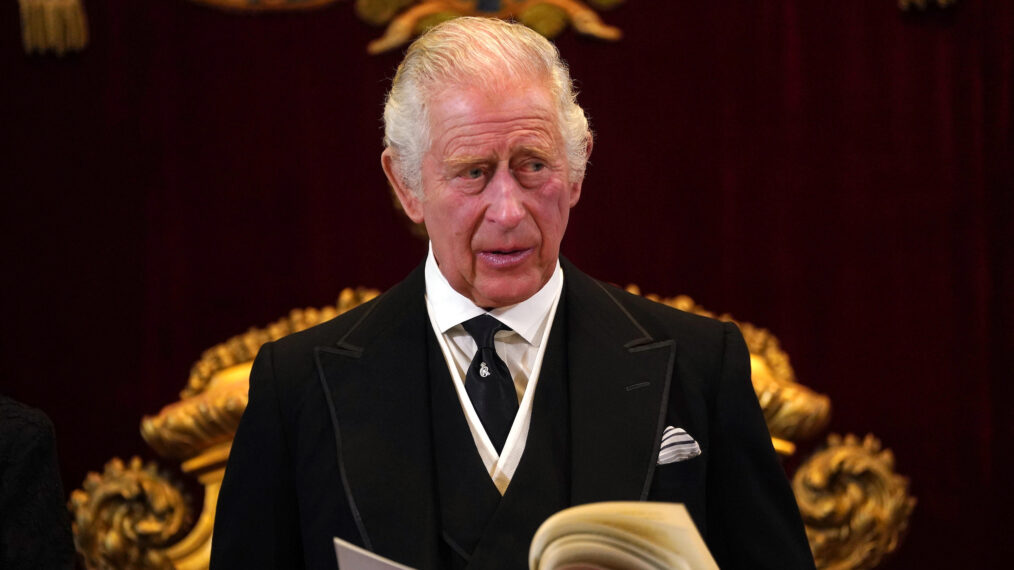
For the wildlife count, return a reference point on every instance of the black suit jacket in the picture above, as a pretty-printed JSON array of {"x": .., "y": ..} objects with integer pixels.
[{"x": 335, "y": 440}]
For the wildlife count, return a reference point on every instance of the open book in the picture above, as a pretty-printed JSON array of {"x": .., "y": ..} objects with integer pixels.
[{"x": 598, "y": 536}]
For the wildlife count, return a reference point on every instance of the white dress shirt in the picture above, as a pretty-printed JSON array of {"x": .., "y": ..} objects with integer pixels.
[{"x": 521, "y": 348}]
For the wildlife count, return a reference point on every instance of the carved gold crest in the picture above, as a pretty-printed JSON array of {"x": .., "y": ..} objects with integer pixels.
[{"x": 405, "y": 19}]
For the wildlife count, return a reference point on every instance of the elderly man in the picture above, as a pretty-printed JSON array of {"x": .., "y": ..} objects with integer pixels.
[{"x": 441, "y": 423}]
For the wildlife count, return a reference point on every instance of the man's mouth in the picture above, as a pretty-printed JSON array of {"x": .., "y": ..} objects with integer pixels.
[{"x": 505, "y": 258}]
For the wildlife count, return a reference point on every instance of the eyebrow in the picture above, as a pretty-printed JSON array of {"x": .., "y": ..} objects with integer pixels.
[
  {"x": 466, "y": 160},
  {"x": 536, "y": 150}
]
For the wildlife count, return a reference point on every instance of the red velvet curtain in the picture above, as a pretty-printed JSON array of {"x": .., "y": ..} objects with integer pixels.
[{"x": 838, "y": 172}]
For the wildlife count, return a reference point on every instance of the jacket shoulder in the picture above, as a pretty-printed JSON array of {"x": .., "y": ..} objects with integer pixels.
[
  {"x": 670, "y": 317},
  {"x": 659, "y": 320},
  {"x": 328, "y": 333},
  {"x": 388, "y": 307}
]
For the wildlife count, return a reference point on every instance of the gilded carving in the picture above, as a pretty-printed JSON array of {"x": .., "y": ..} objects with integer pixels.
[
  {"x": 56, "y": 26},
  {"x": 243, "y": 348},
  {"x": 407, "y": 18},
  {"x": 921, "y": 4},
  {"x": 185, "y": 428},
  {"x": 124, "y": 515},
  {"x": 132, "y": 516},
  {"x": 855, "y": 506}
]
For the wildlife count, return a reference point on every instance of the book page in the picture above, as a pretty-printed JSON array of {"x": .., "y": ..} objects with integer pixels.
[
  {"x": 657, "y": 535},
  {"x": 352, "y": 557}
]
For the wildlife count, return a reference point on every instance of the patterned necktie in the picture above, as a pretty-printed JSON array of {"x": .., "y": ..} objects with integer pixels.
[{"x": 488, "y": 381}]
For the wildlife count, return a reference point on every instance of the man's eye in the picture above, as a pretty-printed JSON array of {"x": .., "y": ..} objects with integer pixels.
[
  {"x": 532, "y": 166},
  {"x": 473, "y": 173}
]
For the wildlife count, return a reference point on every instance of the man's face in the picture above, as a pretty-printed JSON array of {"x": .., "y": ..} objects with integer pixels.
[{"x": 497, "y": 190}]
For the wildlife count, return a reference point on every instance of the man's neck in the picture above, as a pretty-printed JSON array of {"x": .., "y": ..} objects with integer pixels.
[{"x": 450, "y": 308}]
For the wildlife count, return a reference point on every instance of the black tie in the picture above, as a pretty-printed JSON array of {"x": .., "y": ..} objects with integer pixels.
[{"x": 488, "y": 381}]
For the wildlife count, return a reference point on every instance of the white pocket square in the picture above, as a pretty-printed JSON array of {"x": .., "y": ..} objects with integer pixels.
[{"x": 677, "y": 445}]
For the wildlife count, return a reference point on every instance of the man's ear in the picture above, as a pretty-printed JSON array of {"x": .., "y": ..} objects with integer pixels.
[
  {"x": 409, "y": 201},
  {"x": 575, "y": 187}
]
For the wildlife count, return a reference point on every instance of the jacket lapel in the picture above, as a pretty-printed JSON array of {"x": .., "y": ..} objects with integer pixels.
[
  {"x": 620, "y": 377},
  {"x": 375, "y": 381}
]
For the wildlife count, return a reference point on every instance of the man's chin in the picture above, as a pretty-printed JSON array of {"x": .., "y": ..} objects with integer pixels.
[{"x": 504, "y": 294}]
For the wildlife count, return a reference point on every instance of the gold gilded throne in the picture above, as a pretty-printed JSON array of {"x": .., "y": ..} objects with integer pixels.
[{"x": 134, "y": 515}]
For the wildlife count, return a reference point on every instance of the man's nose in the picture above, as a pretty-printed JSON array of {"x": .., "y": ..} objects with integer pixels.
[{"x": 505, "y": 193}]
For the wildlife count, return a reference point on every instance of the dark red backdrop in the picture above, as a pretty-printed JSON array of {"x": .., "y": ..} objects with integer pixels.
[{"x": 838, "y": 172}]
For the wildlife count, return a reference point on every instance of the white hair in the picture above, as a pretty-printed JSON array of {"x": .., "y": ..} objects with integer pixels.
[{"x": 475, "y": 51}]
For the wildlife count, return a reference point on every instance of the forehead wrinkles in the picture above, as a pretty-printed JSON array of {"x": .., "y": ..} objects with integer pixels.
[{"x": 498, "y": 137}]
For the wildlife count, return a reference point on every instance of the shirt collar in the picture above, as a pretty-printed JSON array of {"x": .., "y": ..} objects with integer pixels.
[{"x": 450, "y": 308}]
